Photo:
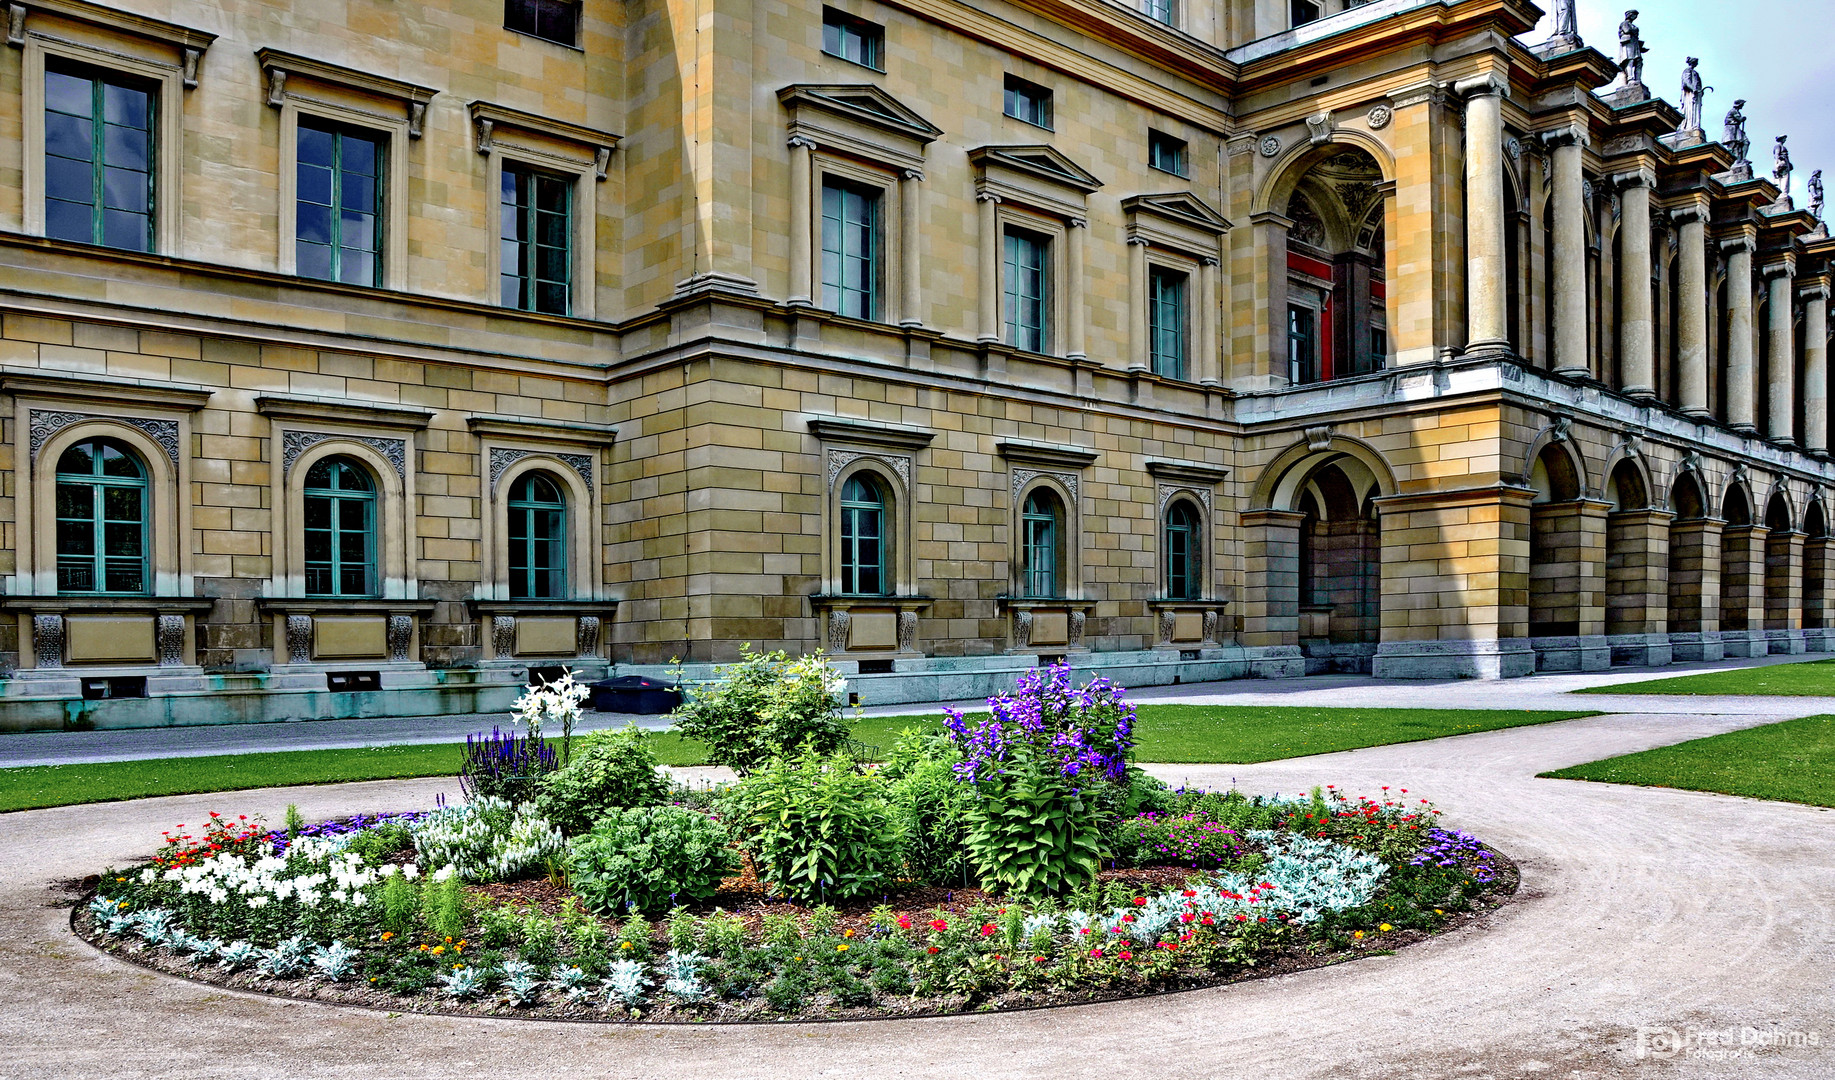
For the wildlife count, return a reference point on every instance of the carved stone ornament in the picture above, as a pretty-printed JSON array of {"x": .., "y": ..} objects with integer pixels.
[
  {"x": 1022, "y": 477},
  {"x": 400, "y": 636},
  {"x": 1271, "y": 146},
  {"x": 907, "y": 631},
  {"x": 295, "y": 443},
  {"x": 169, "y": 634},
  {"x": 1319, "y": 438},
  {"x": 504, "y": 457},
  {"x": 299, "y": 639},
  {"x": 1022, "y": 629},
  {"x": 1319, "y": 128},
  {"x": 1515, "y": 147},
  {"x": 15, "y": 25},
  {"x": 1167, "y": 491},
  {"x": 45, "y": 424},
  {"x": 1210, "y": 625},
  {"x": 1077, "y": 618},
  {"x": 1169, "y": 623},
  {"x": 841, "y": 459},
  {"x": 1379, "y": 117},
  {"x": 48, "y": 640},
  {"x": 838, "y": 621},
  {"x": 586, "y": 635},
  {"x": 503, "y": 635}
]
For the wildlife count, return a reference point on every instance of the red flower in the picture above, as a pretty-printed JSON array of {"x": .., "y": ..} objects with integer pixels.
[
  {"x": 987, "y": 930},
  {"x": 1097, "y": 953},
  {"x": 1191, "y": 892},
  {"x": 1140, "y": 901},
  {"x": 1125, "y": 955},
  {"x": 1242, "y": 918},
  {"x": 904, "y": 922},
  {"x": 939, "y": 925},
  {"x": 933, "y": 950}
]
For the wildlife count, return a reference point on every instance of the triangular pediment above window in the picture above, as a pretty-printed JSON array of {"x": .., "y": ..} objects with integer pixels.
[
  {"x": 1178, "y": 221},
  {"x": 858, "y": 119},
  {"x": 1180, "y": 206},
  {"x": 1040, "y": 161}
]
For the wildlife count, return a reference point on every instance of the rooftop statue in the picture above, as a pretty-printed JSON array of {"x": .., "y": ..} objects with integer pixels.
[
  {"x": 1692, "y": 92},
  {"x": 1781, "y": 168},
  {"x": 1816, "y": 194},
  {"x": 1631, "y": 50},
  {"x": 1735, "y": 138}
]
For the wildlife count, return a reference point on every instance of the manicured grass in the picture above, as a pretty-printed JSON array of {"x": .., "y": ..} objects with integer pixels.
[
  {"x": 1792, "y": 761},
  {"x": 1813, "y": 678},
  {"x": 1174, "y": 734}
]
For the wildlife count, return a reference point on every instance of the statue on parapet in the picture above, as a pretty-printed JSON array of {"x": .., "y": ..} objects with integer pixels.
[
  {"x": 1816, "y": 194},
  {"x": 1735, "y": 140},
  {"x": 1631, "y": 50},
  {"x": 1781, "y": 168},
  {"x": 1692, "y": 93},
  {"x": 1567, "y": 23}
]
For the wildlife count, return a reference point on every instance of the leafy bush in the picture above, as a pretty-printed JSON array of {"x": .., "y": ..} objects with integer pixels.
[
  {"x": 610, "y": 770},
  {"x": 487, "y": 840},
  {"x": 821, "y": 828},
  {"x": 1033, "y": 834},
  {"x": 934, "y": 806},
  {"x": 504, "y": 766},
  {"x": 764, "y": 706},
  {"x": 649, "y": 858},
  {"x": 1178, "y": 840}
]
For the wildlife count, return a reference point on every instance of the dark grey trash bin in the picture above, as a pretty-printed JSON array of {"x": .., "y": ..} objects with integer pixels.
[{"x": 635, "y": 694}]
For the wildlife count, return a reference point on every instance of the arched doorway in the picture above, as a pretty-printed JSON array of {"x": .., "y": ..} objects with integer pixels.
[
  {"x": 1742, "y": 574},
  {"x": 1566, "y": 538},
  {"x": 1783, "y": 578},
  {"x": 1335, "y": 321},
  {"x": 1637, "y": 569},
  {"x": 1694, "y": 572}
]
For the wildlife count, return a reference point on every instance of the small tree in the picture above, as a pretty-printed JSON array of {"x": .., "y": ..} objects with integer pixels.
[{"x": 763, "y": 707}]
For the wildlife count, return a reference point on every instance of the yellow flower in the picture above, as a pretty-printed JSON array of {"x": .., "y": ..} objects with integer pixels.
[
  {"x": 626, "y": 945},
  {"x": 1359, "y": 935},
  {"x": 847, "y": 933},
  {"x": 387, "y": 934},
  {"x": 1385, "y": 928},
  {"x": 1437, "y": 911},
  {"x": 841, "y": 948},
  {"x": 119, "y": 880},
  {"x": 438, "y": 949}
]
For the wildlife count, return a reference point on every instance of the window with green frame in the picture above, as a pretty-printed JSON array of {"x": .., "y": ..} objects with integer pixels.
[
  {"x": 536, "y": 212},
  {"x": 101, "y": 520},
  {"x": 1040, "y": 527},
  {"x": 1167, "y": 321},
  {"x": 98, "y": 158},
  {"x": 1184, "y": 553},
  {"x": 338, "y": 204},
  {"x": 850, "y": 249},
  {"x": 1027, "y": 285},
  {"x": 863, "y": 538},
  {"x": 340, "y": 529},
  {"x": 538, "y": 538}
]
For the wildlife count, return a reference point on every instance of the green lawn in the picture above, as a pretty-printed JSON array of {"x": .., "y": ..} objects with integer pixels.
[
  {"x": 1813, "y": 678},
  {"x": 1174, "y": 734},
  {"x": 1793, "y": 761}
]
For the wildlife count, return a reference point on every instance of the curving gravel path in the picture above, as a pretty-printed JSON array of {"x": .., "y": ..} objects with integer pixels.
[{"x": 1639, "y": 907}]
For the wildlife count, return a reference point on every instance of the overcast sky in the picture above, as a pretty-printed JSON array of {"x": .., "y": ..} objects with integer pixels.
[{"x": 1774, "y": 53}]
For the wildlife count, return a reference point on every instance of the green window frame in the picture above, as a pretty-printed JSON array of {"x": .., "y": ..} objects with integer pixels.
[
  {"x": 1168, "y": 154},
  {"x": 536, "y": 234},
  {"x": 863, "y": 538},
  {"x": 1302, "y": 344},
  {"x": 338, "y": 221},
  {"x": 1168, "y": 322},
  {"x": 850, "y": 249},
  {"x": 1040, "y": 527},
  {"x": 538, "y": 538},
  {"x": 852, "y": 39},
  {"x": 340, "y": 529},
  {"x": 1027, "y": 288},
  {"x": 1027, "y": 101},
  {"x": 1184, "y": 553},
  {"x": 101, "y": 521},
  {"x": 99, "y": 151}
]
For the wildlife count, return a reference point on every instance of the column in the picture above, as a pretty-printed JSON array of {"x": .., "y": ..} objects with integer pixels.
[
  {"x": 1487, "y": 323},
  {"x": 1076, "y": 311},
  {"x": 1570, "y": 289},
  {"x": 1816, "y": 367},
  {"x": 1210, "y": 355},
  {"x": 802, "y": 231},
  {"x": 1780, "y": 375},
  {"x": 910, "y": 237},
  {"x": 1740, "y": 408},
  {"x": 1271, "y": 575},
  {"x": 1138, "y": 351},
  {"x": 1692, "y": 320},
  {"x": 1694, "y": 590},
  {"x": 987, "y": 204},
  {"x": 1637, "y": 342}
]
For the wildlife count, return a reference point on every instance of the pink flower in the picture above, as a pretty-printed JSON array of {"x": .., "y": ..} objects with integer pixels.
[{"x": 988, "y": 930}]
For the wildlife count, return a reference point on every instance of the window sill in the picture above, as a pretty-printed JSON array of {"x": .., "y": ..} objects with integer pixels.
[
  {"x": 339, "y": 605},
  {"x": 169, "y": 605},
  {"x": 487, "y": 608}
]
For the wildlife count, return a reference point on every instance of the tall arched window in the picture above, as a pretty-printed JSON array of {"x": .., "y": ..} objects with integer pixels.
[
  {"x": 1184, "y": 553},
  {"x": 101, "y": 520},
  {"x": 1040, "y": 529},
  {"x": 538, "y": 539},
  {"x": 340, "y": 529},
  {"x": 863, "y": 538}
]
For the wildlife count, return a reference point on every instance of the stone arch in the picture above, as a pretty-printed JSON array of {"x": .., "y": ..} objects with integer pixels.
[
  {"x": 1628, "y": 485},
  {"x": 1278, "y": 486},
  {"x": 1635, "y": 557},
  {"x": 167, "y": 547},
  {"x": 1688, "y": 495},
  {"x": 1780, "y": 513},
  {"x": 1736, "y": 506},
  {"x": 895, "y": 494},
  {"x": 1783, "y": 573},
  {"x": 1815, "y": 570},
  {"x": 1571, "y": 473},
  {"x": 1069, "y": 528},
  {"x": 1296, "y": 161},
  {"x": 394, "y": 526},
  {"x": 1694, "y": 567}
]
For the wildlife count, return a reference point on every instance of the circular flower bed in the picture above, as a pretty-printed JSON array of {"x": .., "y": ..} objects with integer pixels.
[{"x": 1010, "y": 862}]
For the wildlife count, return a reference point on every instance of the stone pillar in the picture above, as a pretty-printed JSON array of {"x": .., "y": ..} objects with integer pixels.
[
  {"x": 1740, "y": 407},
  {"x": 1637, "y": 356},
  {"x": 1076, "y": 314},
  {"x": 988, "y": 204},
  {"x": 1781, "y": 366},
  {"x": 1742, "y": 590},
  {"x": 1210, "y": 355},
  {"x": 1815, "y": 367},
  {"x": 1487, "y": 321},
  {"x": 1271, "y": 576},
  {"x": 1567, "y": 578},
  {"x": 1816, "y": 551},
  {"x": 1570, "y": 255},
  {"x": 1784, "y": 592},
  {"x": 1694, "y": 589},
  {"x": 1692, "y": 320},
  {"x": 802, "y": 229},
  {"x": 910, "y": 246},
  {"x": 1139, "y": 351},
  {"x": 1637, "y": 586}
]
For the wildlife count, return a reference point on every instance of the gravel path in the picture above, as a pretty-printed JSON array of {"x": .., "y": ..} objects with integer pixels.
[{"x": 1640, "y": 907}]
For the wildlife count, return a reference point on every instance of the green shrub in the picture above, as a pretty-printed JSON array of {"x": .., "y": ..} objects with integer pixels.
[
  {"x": 609, "y": 770},
  {"x": 822, "y": 829},
  {"x": 487, "y": 839},
  {"x": 1033, "y": 834},
  {"x": 934, "y": 805},
  {"x": 764, "y": 706},
  {"x": 649, "y": 859}
]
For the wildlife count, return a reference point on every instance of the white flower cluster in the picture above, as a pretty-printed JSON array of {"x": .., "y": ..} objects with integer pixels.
[
  {"x": 557, "y": 701},
  {"x": 339, "y": 877},
  {"x": 487, "y": 839}
]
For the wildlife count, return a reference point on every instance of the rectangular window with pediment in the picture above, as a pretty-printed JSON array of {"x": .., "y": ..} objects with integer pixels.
[
  {"x": 850, "y": 248},
  {"x": 338, "y": 204},
  {"x": 1027, "y": 287}
]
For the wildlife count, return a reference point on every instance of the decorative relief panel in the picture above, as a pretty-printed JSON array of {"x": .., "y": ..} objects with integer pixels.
[
  {"x": 169, "y": 634},
  {"x": 1022, "y": 477},
  {"x": 45, "y": 424},
  {"x": 588, "y": 635},
  {"x": 1077, "y": 619},
  {"x": 838, "y": 622},
  {"x": 295, "y": 443},
  {"x": 504, "y": 457},
  {"x": 503, "y": 635},
  {"x": 841, "y": 459},
  {"x": 48, "y": 640},
  {"x": 1167, "y": 491},
  {"x": 907, "y": 631},
  {"x": 400, "y": 636},
  {"x": 299, "y": 639}
]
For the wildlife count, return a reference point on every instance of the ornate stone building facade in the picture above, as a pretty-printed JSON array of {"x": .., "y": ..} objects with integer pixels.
[{"x": 374, "y": 356}]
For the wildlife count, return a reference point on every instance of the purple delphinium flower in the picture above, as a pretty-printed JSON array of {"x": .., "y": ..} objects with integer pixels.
[{"x": 1075, "y": 729}]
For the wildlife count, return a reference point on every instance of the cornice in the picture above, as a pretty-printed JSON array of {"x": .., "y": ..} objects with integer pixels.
[
  {"x": 863, "y": 432},
  {"x": 65, "y": 386},
  {"x": 344, "y": 411},
  {"x": 487, "y": 117},
  {"x": 1026, "y": 453},
  {"x": 522, "y": 427},
  {"x": 1186, "y": 472}
]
